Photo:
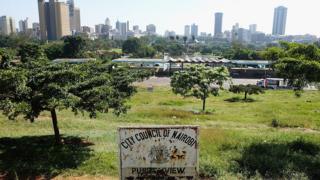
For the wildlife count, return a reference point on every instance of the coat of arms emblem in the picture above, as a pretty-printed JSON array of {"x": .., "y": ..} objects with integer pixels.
[{"x": 159, "y": 154}]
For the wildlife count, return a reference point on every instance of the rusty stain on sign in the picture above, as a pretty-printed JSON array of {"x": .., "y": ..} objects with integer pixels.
[{"x": 165, "y": 152}]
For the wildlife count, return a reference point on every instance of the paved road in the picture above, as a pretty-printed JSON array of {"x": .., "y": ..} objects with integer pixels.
[{"x": 165, "y": 81}]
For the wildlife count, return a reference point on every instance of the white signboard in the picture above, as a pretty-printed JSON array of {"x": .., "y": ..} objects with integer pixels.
[{"x": 166, "y": 152}]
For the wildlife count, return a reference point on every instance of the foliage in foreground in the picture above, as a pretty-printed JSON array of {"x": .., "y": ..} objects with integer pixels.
[
  {"x": 38, "y": 85},
  {"x": 225, "y": 134}
]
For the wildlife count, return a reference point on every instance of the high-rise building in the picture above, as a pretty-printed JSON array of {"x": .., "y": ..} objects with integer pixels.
[
  {"x": 7, "y": 25},
  {"x": 194, "y": 30},
  {"x": 128, "y": 26},
  {"x": 170, "y": 34},
  {"x": 118, "y": 25},
  {"x": 74, "y": 16},
  {"x": 98, "y": 28},
  {"x": 36, "y": 30},
  {"x": 87, "y": 29},
  {"x": 54, "y": 19},
  {"x": 136, "y": 29},
  {"x": 102, "y": 29},
  {"x": 123, "y": 29},
  {"x": 23, "y": 25},
  {"x": 107, "y": 22},
  {"x": 62, "y": 19},
  {"x": 235, "y": 32},
  {"x": 151, "y": 29},
  {"x": 218, "y": 25},
  {"x": 253, "y": 28},
  {"x": 279, "y": 20},
  {"x": 76, "y": 20},
  {"x": 187, "y": 30}
]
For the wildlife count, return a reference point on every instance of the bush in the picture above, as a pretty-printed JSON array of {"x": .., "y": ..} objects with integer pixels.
[
  {"x": 275, "y": 123},
  {"x": 208, "y": 170}
]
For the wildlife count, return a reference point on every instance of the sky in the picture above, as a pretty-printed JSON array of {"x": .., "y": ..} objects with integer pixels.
[{"x": 175, "y": 14}]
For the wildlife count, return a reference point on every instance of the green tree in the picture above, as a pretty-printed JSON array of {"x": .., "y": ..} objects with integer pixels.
[
  {"x": 246, "y": 89},
  {"x": 175, "y": 49},
  {"x": 74, "y": 46},
  {"x": 38, "y": 86},
  {"x": 301, "y": 51},
  {"x": 299, "y": 72},
  {"x": 5, "y": 58},
  {"x": 274, "y": 54},
  {"x": 132, "y": 45},
  {"x": 30, "y": 51},
  {"x": 54, "y": 50},
  {"x": 199, "y": 81},
  {"x": 145, "y": 51},
  {"x": 185, "y": 39}
]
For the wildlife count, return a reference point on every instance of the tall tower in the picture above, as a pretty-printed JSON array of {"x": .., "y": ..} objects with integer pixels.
[
  {"x": 42, "y": 19},
  {"x": 7, "y": 25},
  {"x": 62, "y": 20},
  {"x": 107, "y": 22},
  {"x": 187, "y": 30},
  {"x": 54, "y": 19},
  {"x": 74, "y": 16},
  {"x": 279, "y": 20},
  {"x": 194, "y": 30},
  {"x": 218, "y": 25}
]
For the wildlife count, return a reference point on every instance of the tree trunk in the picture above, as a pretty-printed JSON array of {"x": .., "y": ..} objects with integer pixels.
[
  {"x": 55, "y": 126},
  {"x": 245, "y": 95},
  {"x": 203, "y": 104}
]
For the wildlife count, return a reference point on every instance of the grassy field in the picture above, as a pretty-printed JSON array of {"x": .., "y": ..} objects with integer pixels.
[{"x": 237, "y": 139}]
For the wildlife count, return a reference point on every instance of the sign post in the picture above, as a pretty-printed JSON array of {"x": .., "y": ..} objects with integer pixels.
[{"x": 165, "y": 152}]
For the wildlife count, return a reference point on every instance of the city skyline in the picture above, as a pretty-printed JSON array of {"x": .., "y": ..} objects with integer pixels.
[{"x": 175, "y": 16}]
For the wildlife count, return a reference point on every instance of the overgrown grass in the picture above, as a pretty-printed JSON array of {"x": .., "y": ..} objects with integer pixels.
[{"x": 237, "y": 139}]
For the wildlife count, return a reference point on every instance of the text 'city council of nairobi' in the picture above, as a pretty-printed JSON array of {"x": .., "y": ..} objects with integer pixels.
[{"x": 158, "y": 133}]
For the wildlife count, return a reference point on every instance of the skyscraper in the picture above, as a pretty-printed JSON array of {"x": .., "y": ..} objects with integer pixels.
[
  {"x": 279, "y": 20},
  {"x": 107, "y": 22},
  {"x": 54, "y": 19},
  {"x": 74, "y": 16},
  {"x": 23, "y": 25},
  {"x": 136, "y": 29},
  {"x": 151, "y": 29},
  {"x": 76, "y": 20},
  {"x": 218, "y": 25},
  {"x": 253, "y": 28},
  {"x": 118, "y": 25},
  {"x": 187, "y": 30},
  {"x": 7, "y": 25},
  {"x": 194, "y": 30},
  {"x": 123, "y": 29}
]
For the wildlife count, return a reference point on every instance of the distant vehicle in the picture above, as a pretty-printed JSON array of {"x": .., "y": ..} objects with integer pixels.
[{"x": 272, "y": 83}]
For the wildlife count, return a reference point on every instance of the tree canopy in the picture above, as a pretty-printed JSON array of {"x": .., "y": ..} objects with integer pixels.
[
  {"x": 199, "y": 81},
  {"x": 30, "y": 51},
  {"x": 40, "y": 85},
  {"x": 246, "y": 89},
  {"x": 299, "y": 72},
  {"x": 5, "y": 58},
  {"x": 74, "y": 46}
]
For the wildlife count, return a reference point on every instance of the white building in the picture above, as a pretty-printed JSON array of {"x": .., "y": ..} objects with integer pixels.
[
  {"x": 151, "y": 29},
  {"x": 23, "y": 25},
  {"x": 7, "y": 25},
  {"x": 187, "y": 30}
]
